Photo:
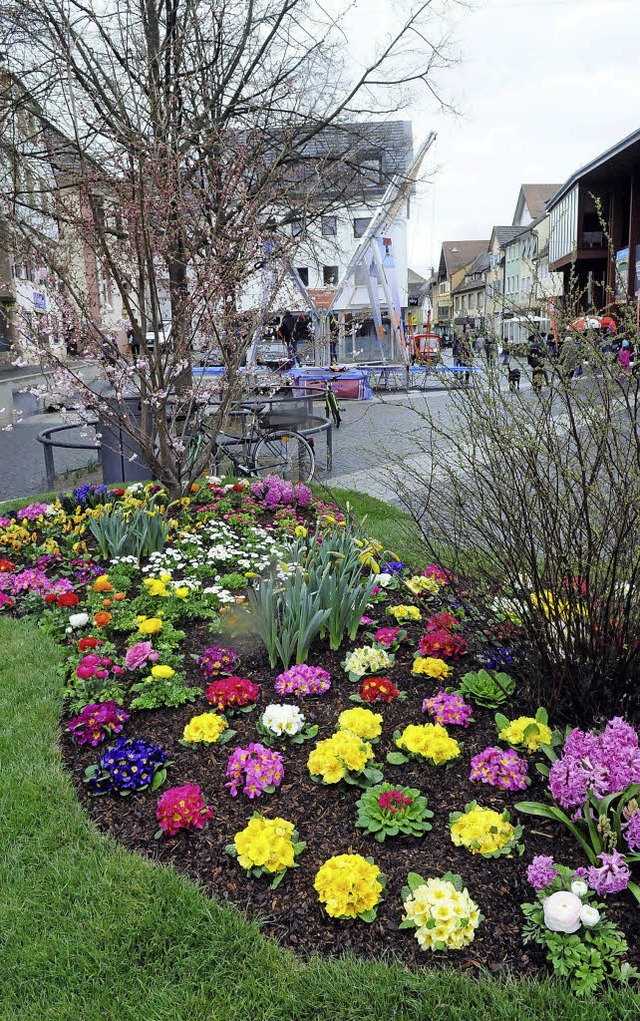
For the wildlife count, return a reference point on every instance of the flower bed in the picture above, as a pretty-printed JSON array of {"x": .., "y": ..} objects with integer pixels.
[{"x": 228, "y": 771}]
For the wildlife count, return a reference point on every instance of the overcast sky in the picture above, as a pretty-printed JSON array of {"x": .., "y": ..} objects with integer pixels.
[{"x": 543, "y": 86}]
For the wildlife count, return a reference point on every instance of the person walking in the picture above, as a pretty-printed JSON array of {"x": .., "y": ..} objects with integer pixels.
[
  {"x": 134, "y": 344},
  {"x": 505, "y": 350},
  {"x": 535, "y": 359},
  {"x": 624, "y": 356},
  {"x": 465, "y": 355},
  {"x": 286, "y": 332},
  {"x": 490, "y": 350}
]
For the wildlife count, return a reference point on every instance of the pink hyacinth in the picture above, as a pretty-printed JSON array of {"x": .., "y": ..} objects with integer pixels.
[
  {"x": 303, "y": 680},
  {"x": 182, "y": 808}
]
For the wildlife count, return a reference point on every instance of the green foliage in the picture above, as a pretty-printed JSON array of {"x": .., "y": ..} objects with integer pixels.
[
  {"x": 410, "y": 820},
  {"x": 83, "y": 691},
  {"x": 489, "y": 690},
  {"x": 287, "y": 616},
  {"x": 133, "y": 532},
  {"x": 587, "y": 958},
  {"x": 158, "y": 692},
  {"x": 234, "y": 581}
]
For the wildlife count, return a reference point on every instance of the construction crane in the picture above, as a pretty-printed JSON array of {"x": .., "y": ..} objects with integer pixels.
[{"x": 374, "y": 251}]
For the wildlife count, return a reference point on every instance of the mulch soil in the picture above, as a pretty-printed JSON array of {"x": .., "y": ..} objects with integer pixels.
[{"x": 325, "y": 817}]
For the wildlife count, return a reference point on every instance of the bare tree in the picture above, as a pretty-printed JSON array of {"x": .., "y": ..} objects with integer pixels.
[
  {"x": 171, "y": 142},
  {"x": 536, "y": 494}
]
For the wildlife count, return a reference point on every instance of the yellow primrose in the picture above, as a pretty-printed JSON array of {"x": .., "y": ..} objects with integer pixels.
[{"x": 181, "y": 593}]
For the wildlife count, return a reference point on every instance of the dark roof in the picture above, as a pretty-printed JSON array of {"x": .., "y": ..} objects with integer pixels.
[
  {"x": 626, "y": 153},
  {"x": 536, "y": 197},
  {"x": 353, "y": 141},
  {"x": 455, "y": 255},
  {"x": 506, "y": 234},
  {"x": 480, "y": 265}
]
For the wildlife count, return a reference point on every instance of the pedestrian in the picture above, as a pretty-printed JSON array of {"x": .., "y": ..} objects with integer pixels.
[
  {"x": 535, "y": 359},
  {"x": 110, "y": 350},
  {"x": 455, "y": 349},
  {"x": 490, "y": 350},
  {"x": 286, "y": 331},
  {"x": 134, "y": 344},
  {"x": 505, "y": 350},
  {"x": 465, "y": 356},
  {"x": 624, "y": 356}
]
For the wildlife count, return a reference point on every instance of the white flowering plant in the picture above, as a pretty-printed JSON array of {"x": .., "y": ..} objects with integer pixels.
[
  {"x": 367, "y": 659},
  {"x": 581, "y": 944},
  {"x": 280, "y": 722}
]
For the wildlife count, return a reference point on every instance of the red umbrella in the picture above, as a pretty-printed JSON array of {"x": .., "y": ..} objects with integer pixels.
[{"x": 594, "y": 323}]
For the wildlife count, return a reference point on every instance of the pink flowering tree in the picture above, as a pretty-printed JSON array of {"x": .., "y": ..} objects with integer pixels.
[{"x": 164, "y": 156}]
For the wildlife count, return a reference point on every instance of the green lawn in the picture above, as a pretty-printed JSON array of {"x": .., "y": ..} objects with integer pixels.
[{"x": 90, "y": 932}]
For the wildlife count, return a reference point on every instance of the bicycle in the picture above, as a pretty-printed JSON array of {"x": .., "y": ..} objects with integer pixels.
[
  {"x": 261, "y": 451},
  {"x": 331, "y": 403}
]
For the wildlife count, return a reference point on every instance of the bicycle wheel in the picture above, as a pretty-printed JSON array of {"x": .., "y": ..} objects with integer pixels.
[{"x": 286, "y": 453}]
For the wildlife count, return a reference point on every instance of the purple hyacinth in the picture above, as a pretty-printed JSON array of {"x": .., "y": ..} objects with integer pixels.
[
  {"x": 612, "y": 876},
  {"x": 631, "y": 830},
  {"x": 603, "y": 763},
  {"x": 541, "y": 871}
]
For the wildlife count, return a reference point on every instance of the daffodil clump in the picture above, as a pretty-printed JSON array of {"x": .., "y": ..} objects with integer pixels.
[
  {"x": 350, "y": 886},
  {"x": 430, "y": 666},
  {"x": 266, "y": 846},
  {"x": 441, "y": 911},
  {"x": 402, "y": 612},
  {"x": 367, "y": 659},
  {"x": 484, "y": 831},
  {"x": 429, "y": 741},
  {"x": 343, "y": 756},
  {"x": 207, "y": 728},
  {"x": 526, "y": 732},
  {"x": 362, "y": 722}
]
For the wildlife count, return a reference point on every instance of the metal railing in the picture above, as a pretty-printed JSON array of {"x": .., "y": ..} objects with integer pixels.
[{"x": 48, "y": 444}]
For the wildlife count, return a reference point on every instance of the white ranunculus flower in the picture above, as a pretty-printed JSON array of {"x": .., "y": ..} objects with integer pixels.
[
  {"x": 383, "y": 579},
  {"x": 589, "y": 916},
  {"x": 78, "y": 619},
  {"x": 579, "y": 887},
  {"x": 562, "y": 911}
]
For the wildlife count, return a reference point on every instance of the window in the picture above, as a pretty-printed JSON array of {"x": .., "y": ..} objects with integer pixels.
[
  {"x": 303, "y": 273},
  {"x": 296, "y": 228},
  {"x": 360, "y": 225},
  {"x": 443, "y": 288},
  {"x": 371, "y": 171},
  {"x": 330, "y": 274},
  {"x": 472, "y": 300},
  {"x": 329, "y": 226}
]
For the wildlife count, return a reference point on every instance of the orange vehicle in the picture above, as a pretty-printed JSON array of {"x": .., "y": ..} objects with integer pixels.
[{"x": 426, "y": 349}]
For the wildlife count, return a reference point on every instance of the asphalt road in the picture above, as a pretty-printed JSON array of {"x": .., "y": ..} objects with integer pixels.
[{"x": 374, "y": 436}]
